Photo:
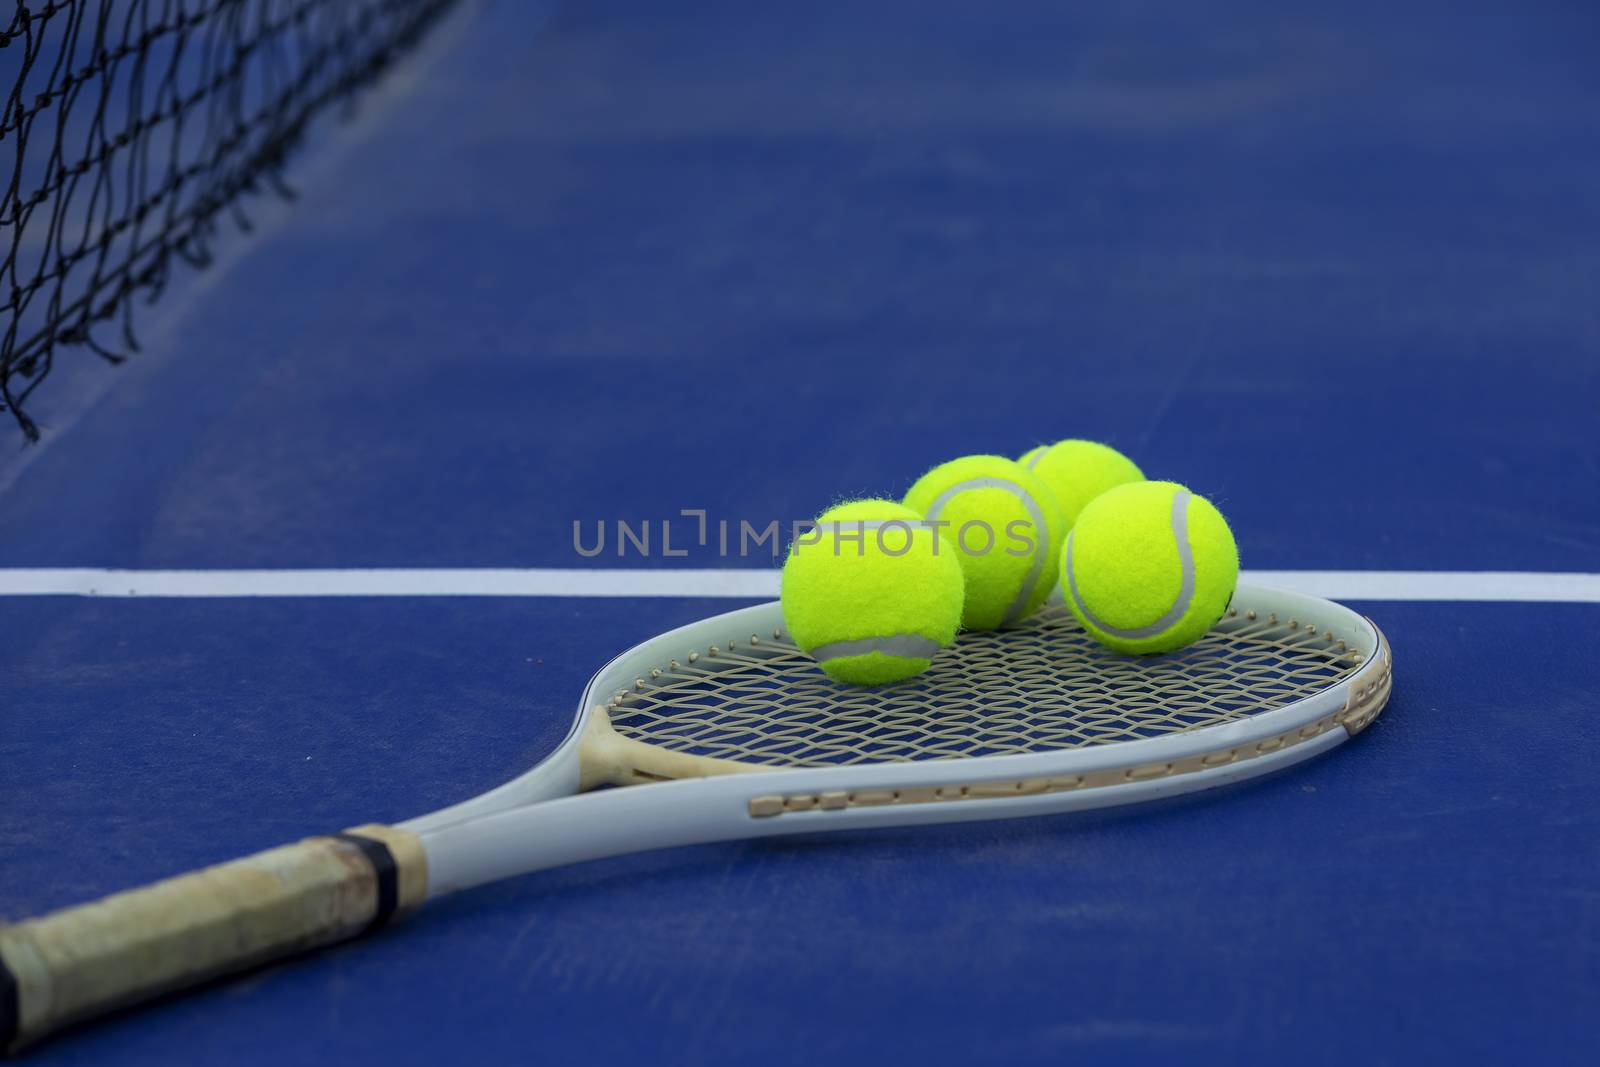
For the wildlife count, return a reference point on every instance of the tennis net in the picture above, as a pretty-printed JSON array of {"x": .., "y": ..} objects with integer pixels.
[{"x": 130, "y": 128}]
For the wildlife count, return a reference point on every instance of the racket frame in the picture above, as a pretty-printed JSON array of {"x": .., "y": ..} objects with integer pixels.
[{"x": 540, "y": 820}]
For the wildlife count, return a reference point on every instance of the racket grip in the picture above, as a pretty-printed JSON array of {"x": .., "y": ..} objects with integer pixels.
[{"x": 84, "y": 961}]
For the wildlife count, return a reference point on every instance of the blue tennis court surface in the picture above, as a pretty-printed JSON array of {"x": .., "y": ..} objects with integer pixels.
[{"x": 1334, "y": 266}]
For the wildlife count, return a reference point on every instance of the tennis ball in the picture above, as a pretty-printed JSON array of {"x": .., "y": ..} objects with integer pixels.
[
  {"x": 1148, "y": 567},
  {"x": 871, "y": 593},
  {"x": 1078, "y": 471},
  {"x": 1006, "y": 529}
]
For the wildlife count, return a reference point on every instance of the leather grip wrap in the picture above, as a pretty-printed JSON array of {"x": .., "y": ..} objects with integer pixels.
[{"x": 83, "y": 961}]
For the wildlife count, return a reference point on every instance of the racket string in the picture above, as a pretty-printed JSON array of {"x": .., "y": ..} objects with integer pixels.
[{"x": 1041, "y": 686}]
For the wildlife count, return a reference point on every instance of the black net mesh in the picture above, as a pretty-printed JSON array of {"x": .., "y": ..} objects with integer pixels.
[{"x": 131, "y": 127}]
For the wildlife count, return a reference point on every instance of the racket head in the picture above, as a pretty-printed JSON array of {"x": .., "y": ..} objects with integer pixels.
[
  {"x": 1037, "y": 701},
  {"x": 1279, "y": 669},
  {"x": 1239, "y": 715}
]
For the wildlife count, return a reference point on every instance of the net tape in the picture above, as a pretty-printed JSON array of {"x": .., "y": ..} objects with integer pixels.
[
  {"x": 131, "y": 126},
  {"x": 1043, "y": 685}
]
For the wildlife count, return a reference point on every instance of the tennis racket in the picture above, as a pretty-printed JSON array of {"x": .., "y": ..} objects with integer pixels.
[{"x": 732, "y": 732}]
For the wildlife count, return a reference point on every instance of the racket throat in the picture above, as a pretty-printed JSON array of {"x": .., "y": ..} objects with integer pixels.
[{"x": 605, "y": 757}]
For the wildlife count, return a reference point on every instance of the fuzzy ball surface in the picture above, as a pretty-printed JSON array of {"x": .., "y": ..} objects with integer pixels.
[
  {"x": 1006, "y": 529},
  {"x": 1149, "y": 567},
  {"x": 1077, "y": 471},
  {"x": 872, "y": 593}
]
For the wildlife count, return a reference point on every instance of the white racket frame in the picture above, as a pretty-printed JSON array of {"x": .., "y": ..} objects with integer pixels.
[{"x": 539, "y": 820}]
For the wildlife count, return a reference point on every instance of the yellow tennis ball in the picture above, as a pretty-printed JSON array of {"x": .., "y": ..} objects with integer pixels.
[
  {"x": 1006, "y": 529},
  {"x": 872, "y": 593},
  {"x": 1078, "y": 471},
  {"x": 1149, "y": 567}
]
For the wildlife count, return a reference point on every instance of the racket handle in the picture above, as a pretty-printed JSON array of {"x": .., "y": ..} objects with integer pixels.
[{"x": 84, "y": 961}]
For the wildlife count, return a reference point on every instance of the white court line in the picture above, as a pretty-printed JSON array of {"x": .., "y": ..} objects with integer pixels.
[{"x": 1528, "y": 586}]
